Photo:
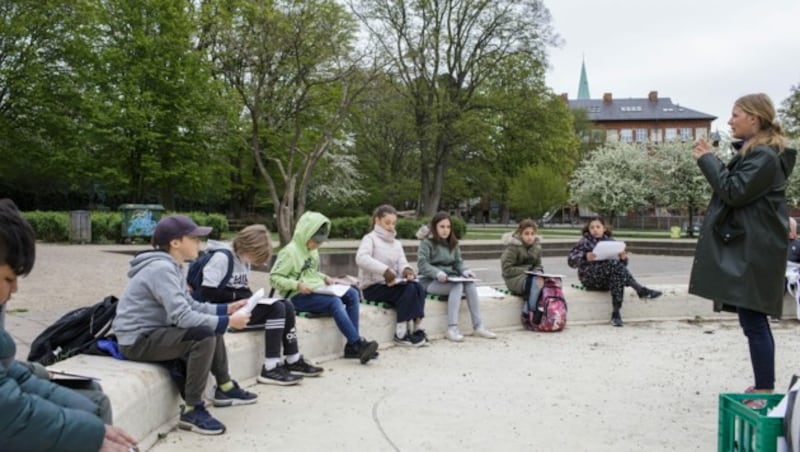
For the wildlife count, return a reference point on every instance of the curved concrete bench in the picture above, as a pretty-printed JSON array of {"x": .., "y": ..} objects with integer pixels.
[{"x": 145, "y": 401}]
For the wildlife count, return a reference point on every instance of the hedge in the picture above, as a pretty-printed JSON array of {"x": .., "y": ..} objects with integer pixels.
[
  {"x": 107, "y": 226},
  {"x": 356, "y": 227}
]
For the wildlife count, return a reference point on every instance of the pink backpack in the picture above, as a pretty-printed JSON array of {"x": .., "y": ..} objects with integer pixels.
[{"x": 550, "y": 312}]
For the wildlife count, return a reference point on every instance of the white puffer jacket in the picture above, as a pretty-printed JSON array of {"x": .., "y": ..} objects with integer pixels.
[{"x": 378, "y": 251}]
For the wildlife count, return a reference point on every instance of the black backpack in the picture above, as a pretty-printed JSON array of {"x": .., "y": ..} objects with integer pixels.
[
  {"x": 75, "y": 332},
  {"x": 194, "y": 276}
]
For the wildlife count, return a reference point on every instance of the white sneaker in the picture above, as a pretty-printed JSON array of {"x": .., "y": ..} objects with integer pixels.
[
  {"x": 483, "y": 332},
  {"x": 454, "y": 335}
]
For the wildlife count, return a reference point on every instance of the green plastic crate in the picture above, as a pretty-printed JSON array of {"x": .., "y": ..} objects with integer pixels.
[{"x": 743, "y": 429}]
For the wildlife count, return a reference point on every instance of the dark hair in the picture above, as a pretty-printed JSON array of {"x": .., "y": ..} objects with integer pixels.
[
  {"x": 17, "y": 239},
  {"x": 525, "y": 224},
  {"x": 451, "y": 240},
  {"x": 585, "y": 229},
  {"x": 380, "y": 212}
]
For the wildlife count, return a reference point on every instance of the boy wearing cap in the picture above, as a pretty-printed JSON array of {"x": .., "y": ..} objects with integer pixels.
[
  {"x": 157, "y": 320},
  {"x": 296, "y": 276}
]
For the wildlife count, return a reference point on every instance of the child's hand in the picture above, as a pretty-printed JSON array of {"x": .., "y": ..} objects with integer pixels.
[
  {"x": 389, "y": 277},
  {"x": 239, "y": 319},
  {"x": 623, "y": 255},
  {"x": 304, "y": 288},
  {"x": 233, "y": 307},
  {"x": 590, "y": 256},
  {"x": 441, "y": 277},
  {"x": 408, "y": 274},
  {"x": 468, "y": 274},
  {"x": 328, "y": 281}
]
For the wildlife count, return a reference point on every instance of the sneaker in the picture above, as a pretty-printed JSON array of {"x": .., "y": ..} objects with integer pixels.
[
  {"x": 421, "y": 333},
  {"x": 481, "y": 331},
  {"x": 646, "y": 293},
  {"x": 200, "y": 421},
  {"x": 616, "y": 319},
  {"x": 363, "y": 350},
  {"x": 755, "y": 404},
  {"x": 236, "y": 396},
  {"x": 302, "y": 367},
  {"x": 454, "y": 335},
  {"x": 278, "y": 375},
  {"x": 410, "y": 340}
]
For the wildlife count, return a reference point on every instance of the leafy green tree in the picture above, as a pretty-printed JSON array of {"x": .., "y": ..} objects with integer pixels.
[
  {"x": 41, "y": 45},
  {"x": 535, "y": 190},
  {"x": 289, "y": 62},
  {"x": 444, "y": 53},
  {"x": 793, "y": 185},
  {"x": 790, "y": 112},
  {"x": 157, "y": 115},
  {"x": 612, "y": 180}
]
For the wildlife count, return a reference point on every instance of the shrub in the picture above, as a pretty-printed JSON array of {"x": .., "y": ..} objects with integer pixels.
[
  {"x": 217, "y": 221},
  {"x": 49, "y": 226},
  {"x": 106, "y": 227},
  {"x": 349, "y": 227}
]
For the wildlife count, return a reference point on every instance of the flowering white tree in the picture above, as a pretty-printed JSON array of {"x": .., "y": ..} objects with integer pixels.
[
  {"x": 612, "y": 180},
  {"x": 676, "y": 179}
]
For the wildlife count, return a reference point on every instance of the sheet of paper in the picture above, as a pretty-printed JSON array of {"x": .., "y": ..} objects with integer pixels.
[
  {"x": 546, "y": 275},
  {"x": 337, "y": 290},
  {"x": 489, "y": 292},
  {"x": 61, "y": 375},
  {"x": 253, "y": 300},
  {"x": 608, "y": 250},
  {"x": 460, "y": 279},
  {"x": 267, "y": 301}
]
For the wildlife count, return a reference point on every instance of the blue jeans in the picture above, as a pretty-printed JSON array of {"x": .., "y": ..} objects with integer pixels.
[
  {"x": 755, "y": 326},
  {"x": 344, "y": 310}
]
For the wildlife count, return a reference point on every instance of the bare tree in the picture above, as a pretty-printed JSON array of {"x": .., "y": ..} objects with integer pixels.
[
  {"x": 444, "y": 51},
  {"x": 291, "y": 64}
]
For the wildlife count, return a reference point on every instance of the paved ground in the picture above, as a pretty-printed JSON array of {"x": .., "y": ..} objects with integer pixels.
[{"x": 648, "y": 386}]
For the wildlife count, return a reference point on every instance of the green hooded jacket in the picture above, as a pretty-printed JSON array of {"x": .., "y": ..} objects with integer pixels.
[
  {"x": 295, "y": 262},
  {"x": 518, "y": 258}
]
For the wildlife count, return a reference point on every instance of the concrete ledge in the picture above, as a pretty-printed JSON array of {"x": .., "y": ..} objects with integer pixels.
[{"x": 145, "y": 401}]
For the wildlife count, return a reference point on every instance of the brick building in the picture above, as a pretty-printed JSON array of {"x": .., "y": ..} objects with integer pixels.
[{"x": 639, "y": 120}]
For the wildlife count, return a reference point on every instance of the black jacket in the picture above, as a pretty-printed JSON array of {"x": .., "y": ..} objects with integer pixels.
[{"x": 741, "y": 253}]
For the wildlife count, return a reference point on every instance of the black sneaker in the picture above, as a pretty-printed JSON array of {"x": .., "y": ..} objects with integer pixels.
[
  {"x": 616, "y": 319},
  {"x": 421, "y": 333},
  {"x": 278, "y": 375},
  {"x": 304, "y": 368},
  {"x": 646, "y": 293},
  {"x": 363, "y": 350},
  {"x": 200, "y": 421},
  {"x": 410, "y": 340},
  {"x": 234, "y": 396}
]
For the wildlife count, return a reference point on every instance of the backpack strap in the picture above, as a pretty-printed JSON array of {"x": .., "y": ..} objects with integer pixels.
[{"x": 229, "y": 272}]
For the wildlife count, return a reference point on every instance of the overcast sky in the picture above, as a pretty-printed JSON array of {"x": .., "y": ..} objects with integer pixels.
[{"x": 703, "y": 54}]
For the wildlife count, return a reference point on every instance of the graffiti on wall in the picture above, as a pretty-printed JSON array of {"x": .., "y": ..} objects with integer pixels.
[{"x": 141, "y": 224}]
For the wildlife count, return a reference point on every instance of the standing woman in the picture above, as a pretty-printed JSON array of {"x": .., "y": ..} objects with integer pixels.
[
  {"x": 439, "y": 260},
  {"x": 741, "y": 253},
  {"x": 385, "y": 275}
]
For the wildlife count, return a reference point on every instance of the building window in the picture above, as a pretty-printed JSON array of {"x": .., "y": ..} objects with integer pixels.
[
  {"x": 655, "y": 135},
  {"x": 626, "y": 135},
  {"x": 686, "y": 133},
  {"x": 641, "y": 135},
  {"x": 701, "y": 132},
  {"x": 598, "y": 135},
  {"x": 612, "y": 136},
  {"x": 670, "y": 134}
]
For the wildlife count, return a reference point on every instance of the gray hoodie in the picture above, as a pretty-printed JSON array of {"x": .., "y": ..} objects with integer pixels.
[{"x": 157, "y": 297}]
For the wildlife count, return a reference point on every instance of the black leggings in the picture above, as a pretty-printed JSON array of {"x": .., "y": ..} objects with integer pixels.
[
  {"x": 278, "y": 319},
  {"x": 610, "y": 275},
  {"x": 755, "y": 326}
]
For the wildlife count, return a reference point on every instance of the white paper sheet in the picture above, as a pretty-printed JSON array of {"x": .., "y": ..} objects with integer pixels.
[
  {"x": 252, "y": 301},
  {"x": 489, "y": 292},
  {"x": 608, "y": 250},
  {"x": 337, "y": 290}
]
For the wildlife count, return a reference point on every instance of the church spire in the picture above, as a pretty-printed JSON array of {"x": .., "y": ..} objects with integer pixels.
[{"x": 583, "y": 86}]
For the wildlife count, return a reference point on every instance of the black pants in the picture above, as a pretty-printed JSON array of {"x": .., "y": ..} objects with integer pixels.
[
  {"x": 279, "y": 327},
  {"x": 408, "y": 299},
  {"x": 755, "y": 326}
]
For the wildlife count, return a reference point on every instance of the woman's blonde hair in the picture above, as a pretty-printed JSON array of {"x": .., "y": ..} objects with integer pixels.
[
  {"x": 769, "y": 132},
  {"x": 254, "y": 242}
]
